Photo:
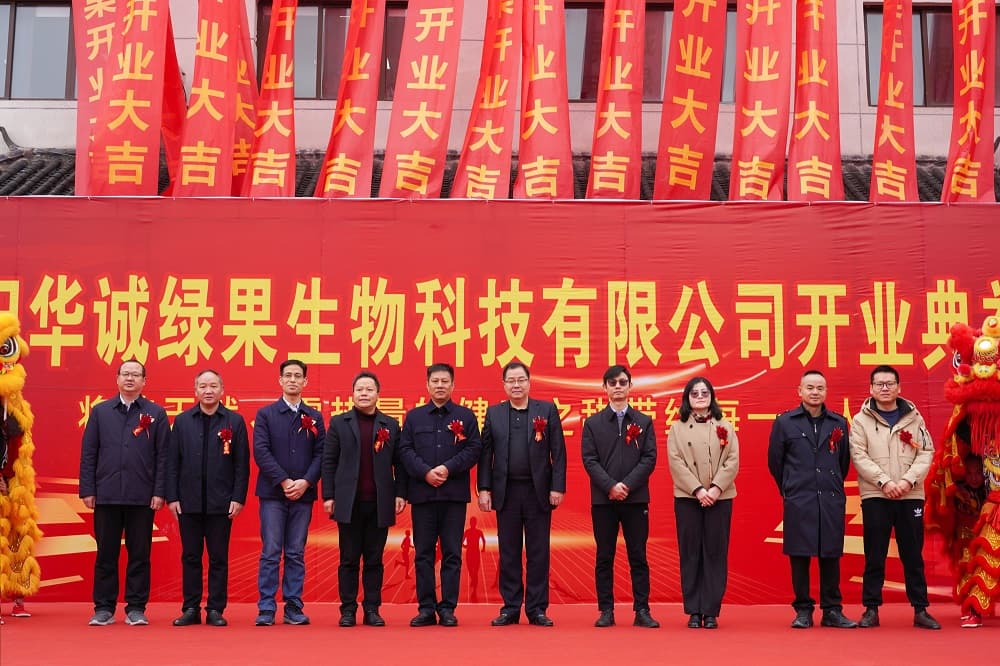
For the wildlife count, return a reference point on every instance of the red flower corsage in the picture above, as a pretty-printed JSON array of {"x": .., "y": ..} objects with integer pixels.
[
  {"x": 309, "y": 424},
  {"x": 723, "y": 435},
  {"x": 632, "y": 432},
  {"x": 540, "y": 423},
  {"x": 226, "y": 435},
  {"x": 835, "y": 437},
  {"x": 381, "y": 437},
  {"x": 906, "y": 437},
  {"x": 145, "y": 420},
  {"x": 458, "y": 428}
]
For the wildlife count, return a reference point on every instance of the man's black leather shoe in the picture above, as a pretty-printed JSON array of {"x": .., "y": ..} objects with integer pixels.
[
  {"x": 869, "y": 619},
  {"x": 373, "y": 619},
  {"x": 607, "y": 619},
  {"x": 189, "y": 617},
  {"x": 423, "y": 620},
  {"x": 446, "y": 618},
  {"x": 214, "y": 618},
  {"x": 347, "y": 620},
  {"x": 644, "y": 619},
  {"x": 504, "y": 619},
  {"x": 694, "y": 622},
  {"x": 541, "y": 620},
  {"x": 835, "y": 618},
  {"x": 923, "y": 620},
  {"x": 803, "y": 620},
  {"x": 711, "y": 622}
]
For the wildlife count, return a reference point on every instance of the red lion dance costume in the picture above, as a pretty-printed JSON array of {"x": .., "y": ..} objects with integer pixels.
[{"x": 963, "y": 486}]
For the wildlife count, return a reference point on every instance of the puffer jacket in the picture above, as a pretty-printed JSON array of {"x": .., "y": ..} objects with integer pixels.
[{"x": 881, "y": 454}]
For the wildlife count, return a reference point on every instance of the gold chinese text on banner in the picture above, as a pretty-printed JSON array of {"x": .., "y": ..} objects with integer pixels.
[
  {"x": 417, "y": 144},
  {"x": 347, "y": 167},
  {"x": 894, "y": 163},
  {"x": 969, "y": 176},
  {"x": 207, "y": 143},
  {"x": 814, "y": 168},
  {"x": 272, "y": 158},
  {"x": 484, "y": 166},
  {"x": 125, "y": 152},
  {"x": 616, "y": 157},
  {"x": 545, "y": 157},
  {"x": 94, "y": 35},
  {"x": 246, "y": 104},
  {"x": 763, "y": 56},
  {"x": 686, "y": 153}
]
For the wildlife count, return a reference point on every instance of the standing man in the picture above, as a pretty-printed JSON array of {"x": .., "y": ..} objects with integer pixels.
[
  {"x": 288, "y": 448},
  {"x": 619, "y": 454},
  {"x": 522, "y": 476},
  {"x": 892, "y": 452},
  {"x": 809, "y": 456},
  {"x": 439, "y": 446},
  {"x": 364, "y": 487},
  {"x": 208, "y": 471},
  {"x": 123, "y": 478}
]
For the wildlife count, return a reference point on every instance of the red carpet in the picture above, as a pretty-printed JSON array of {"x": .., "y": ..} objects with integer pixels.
[{"x": 58, "y": 634}]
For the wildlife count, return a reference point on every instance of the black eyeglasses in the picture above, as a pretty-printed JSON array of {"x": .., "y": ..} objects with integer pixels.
[{"x": 619, "y": 382}]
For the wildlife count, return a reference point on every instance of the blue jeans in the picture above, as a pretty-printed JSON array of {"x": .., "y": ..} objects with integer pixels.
[{"x": 284, "y": 527}]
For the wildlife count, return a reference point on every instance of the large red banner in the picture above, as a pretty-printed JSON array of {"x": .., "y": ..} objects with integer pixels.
[{"x": 569, "y": 287}]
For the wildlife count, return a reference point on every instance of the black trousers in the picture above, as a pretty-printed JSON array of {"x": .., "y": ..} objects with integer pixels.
[
  {"x": 361, "y": 538},
  {"x": 905, "y": 517},
  {"x": 523, "y": 526},
  {"x": 829, "y": 583},
  {"x": 136, "y": 523},
  {"x": 202, "y": 532},
  {"x": 634, "y": 522},
  {"x": 703, "y": 548},
  {"x": 434, "y": 522}
]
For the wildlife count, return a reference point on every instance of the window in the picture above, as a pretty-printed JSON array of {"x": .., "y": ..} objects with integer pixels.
[
  {"x": 584, "y": 23},
  {"x": 36, "y": 54},
  {"x": 933, "y": 69},
  {"x": 320, "y": 39}
]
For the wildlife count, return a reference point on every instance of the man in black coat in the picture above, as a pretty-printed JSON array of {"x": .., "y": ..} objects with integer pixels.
[
  {"x": 208, "y": 472},
  {"x": 123, "y": 478},
  {"x": 364, "y": 487},
  {"x": 522, "y": 475},
  {"x": 809, "y": 456},
  {"x": 439, "y": 446},
  {"x": 619, "y": 454}
]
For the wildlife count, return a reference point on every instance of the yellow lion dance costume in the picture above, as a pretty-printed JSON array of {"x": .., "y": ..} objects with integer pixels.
[
  {"x": 963, "y": 487},
  {"x": 19, "y": 570}
]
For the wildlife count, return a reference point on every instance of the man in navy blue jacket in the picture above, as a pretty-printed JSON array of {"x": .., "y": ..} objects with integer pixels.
[
  {"x": 439, "y": 446},
  {"x": 123, "y": 479},
  {"x": 288, "y": 448},
  {"x": 208, "y": 471}
]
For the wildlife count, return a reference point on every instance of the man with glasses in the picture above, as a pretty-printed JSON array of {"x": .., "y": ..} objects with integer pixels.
[
  {"x": 288, "y": 448},
  {"x": 619, "y": 454},
  {"x": 123, "y": 474},
  {"x": 892, "y": 452},
  {"x": 522, "y": 476},
  {"x": 808, "y": 456}
]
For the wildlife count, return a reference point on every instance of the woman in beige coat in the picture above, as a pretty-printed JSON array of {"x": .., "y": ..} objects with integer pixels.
[{"x": 704, "y": 457}]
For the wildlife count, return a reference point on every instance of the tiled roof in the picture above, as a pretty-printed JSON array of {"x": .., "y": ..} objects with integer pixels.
[{"x": 35, "y": 171}]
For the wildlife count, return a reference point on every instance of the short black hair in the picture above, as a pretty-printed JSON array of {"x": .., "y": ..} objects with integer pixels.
[
  {"x": 440, "y": 367},
  {"x": 205, "y": 372},
  {"x": 365, "y": 374},
  {"x": 514, "y": 365},
  {"x": 713, "y": 407},
  {"x": 293, "y": 361},
  {"x": 883, "y": 368},
  {"x": 614, "y": 371},
  {"x": 132, "y": 360}
]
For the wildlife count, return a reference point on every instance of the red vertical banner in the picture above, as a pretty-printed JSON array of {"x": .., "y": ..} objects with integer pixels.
[
  {"x": 94, "y": 33},
  {"x": 174, "y": 109},
  {"x": 894, "y": 163},
  {"x": 545, "y": 155},
  {"x": 969, "y": 176},
  {"x": 616, "y": 157},
  {"x": 685, "y": 155},
  {"x": 271, "y": 171},
  {"x": 246, "y": 104},
  {"x": 764, "y": 54},
  {"x": 125, "y": 153},
  {"x": 484, "y": 165},
  {"x": 207, "y": 146},
  {"x": 417, "y": 144},
  {"x": 814, "y": 168},
  {"x": 347, "y": 167}
]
